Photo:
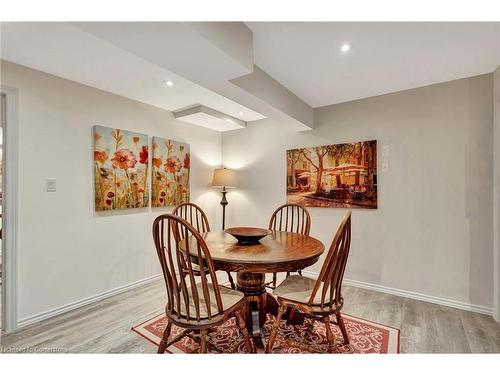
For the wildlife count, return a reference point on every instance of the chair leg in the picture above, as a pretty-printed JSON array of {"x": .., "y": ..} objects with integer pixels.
[
  {"x": 300, "y": 272},
  {"x": 275, "y": 277},
  {"x": 287, "y": 274},
  {"x": 340, "y": 321},
  {"x": 274, "y": 330},
  {"x": 244, "y": 331},
  {"x": 164, "y": 340},
  {"x": 203, "y": 343},
  {"x": 329, "y": 336},
  {"x": 231, "y": 281}
]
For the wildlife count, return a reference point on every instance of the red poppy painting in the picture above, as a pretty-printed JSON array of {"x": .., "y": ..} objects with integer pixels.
[
  {"x": 171, "y": 164},
  {"x": 120, "y": 169}
]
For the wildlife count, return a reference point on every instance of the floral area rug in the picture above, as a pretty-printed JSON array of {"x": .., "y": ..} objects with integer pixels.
[{"x": 364, "y": 336}]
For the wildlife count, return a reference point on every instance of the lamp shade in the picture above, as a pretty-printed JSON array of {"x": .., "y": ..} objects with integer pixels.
[{"x": 225, "y": 178}]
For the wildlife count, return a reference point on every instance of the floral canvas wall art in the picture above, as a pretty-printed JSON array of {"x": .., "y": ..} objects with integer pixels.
[
  {"x": 120, "y": 169},
  {"x": 342, "y": 175},
  {"x": 170, "y": 177}
]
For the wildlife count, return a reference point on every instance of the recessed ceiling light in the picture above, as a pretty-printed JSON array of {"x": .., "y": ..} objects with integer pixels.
[
  {"x": 241, "y": 113},
  {"x": 169, "y": 83},
  {"x": 346, "y": 47}
]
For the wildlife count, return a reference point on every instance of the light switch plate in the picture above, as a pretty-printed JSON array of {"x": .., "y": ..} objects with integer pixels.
[{"x": 50, "y": 185}]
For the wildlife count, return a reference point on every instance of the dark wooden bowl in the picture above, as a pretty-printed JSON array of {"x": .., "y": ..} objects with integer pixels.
[{"x": 248, "y": 235}]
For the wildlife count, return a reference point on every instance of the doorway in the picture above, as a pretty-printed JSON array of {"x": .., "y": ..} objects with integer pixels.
[
  {"x": 8, "y": 207},
  {"x": 3, "y": 109}
]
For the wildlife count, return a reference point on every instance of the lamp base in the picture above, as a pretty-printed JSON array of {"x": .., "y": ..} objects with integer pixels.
[{"x": 224, "y": 203}]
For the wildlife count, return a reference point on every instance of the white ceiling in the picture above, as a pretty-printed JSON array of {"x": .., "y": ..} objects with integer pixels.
[
  {"x": 67, "y": 51},
  {"x": 133, "y": 59},
  {"x": 210, "y": 54},
  {"x": 305, "y": 57}
]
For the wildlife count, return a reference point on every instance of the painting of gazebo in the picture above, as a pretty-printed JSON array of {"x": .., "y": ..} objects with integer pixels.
[{"x": 342, "y": 175}]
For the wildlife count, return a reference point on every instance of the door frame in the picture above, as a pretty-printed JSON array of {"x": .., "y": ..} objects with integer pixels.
[{"x": 9, "y": 210}]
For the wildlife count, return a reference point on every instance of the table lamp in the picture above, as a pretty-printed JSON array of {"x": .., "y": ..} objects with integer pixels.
[{"x": 225, "y": 179}]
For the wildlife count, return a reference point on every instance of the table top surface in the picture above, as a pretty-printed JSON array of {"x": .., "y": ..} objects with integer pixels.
[{"x": 278, "y": 247}]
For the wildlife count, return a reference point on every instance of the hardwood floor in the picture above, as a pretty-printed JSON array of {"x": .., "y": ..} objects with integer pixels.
[{"x": 104, "y": 327}]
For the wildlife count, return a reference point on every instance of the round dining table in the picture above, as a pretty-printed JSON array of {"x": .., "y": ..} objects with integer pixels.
[{"x": 277, "y": 252}]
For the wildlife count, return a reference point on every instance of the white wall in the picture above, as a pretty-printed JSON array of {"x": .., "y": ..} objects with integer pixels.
[
  {"x": 432, "y": 233},
  {"x": 433, "y": 230},
  {"x": 67, "y": 252}
]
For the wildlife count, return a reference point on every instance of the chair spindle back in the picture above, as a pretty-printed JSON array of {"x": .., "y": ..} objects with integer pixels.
[
  {"x": 291, "y": 218},
  {"x": 181, "y": 295},
  {"x": 194, "y": 215},
  {"x": 329, "y": 282}
]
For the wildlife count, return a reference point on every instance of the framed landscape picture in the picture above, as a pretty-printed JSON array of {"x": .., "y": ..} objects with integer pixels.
[
  {"x": 342, "y": 175},
  {"x": 120, "y": 169},
  {"x": 170, "y": 175}
]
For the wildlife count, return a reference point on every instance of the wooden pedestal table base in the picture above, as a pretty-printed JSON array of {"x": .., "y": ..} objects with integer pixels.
[{"x": 259, "y": 304}]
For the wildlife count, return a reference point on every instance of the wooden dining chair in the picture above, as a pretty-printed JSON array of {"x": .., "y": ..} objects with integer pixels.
[
  {"x": 290, "y": 218},
  {"x": 321, "y": 298},
  {"x": 195, "y": 216},
  {"x": 196, "y": 307}
]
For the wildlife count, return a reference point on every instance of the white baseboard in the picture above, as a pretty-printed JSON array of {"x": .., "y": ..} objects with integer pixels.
[
  {"x": 413, "y": 295},
  {"x": 86, "y": 301}
]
